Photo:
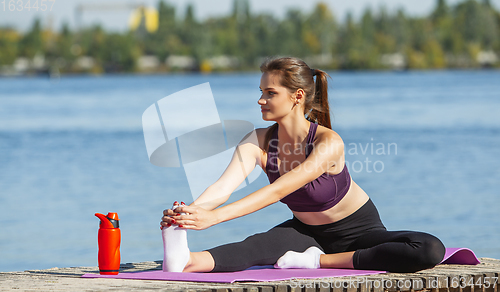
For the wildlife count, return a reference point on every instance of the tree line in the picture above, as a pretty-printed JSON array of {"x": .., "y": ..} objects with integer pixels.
[{"x": 465, "y": 35}]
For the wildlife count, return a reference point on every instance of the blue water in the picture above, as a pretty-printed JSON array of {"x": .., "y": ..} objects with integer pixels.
[{"x": 423, "y": 145}]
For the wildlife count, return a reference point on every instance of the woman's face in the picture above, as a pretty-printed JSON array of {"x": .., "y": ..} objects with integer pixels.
[{"x": 275, "y": 101}]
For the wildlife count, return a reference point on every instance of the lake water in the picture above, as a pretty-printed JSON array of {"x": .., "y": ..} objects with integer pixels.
[{"x": 72, "y": 147}]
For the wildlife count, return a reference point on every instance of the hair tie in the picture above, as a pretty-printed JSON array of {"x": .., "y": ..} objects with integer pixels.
[{"x": 313, "y": 72}]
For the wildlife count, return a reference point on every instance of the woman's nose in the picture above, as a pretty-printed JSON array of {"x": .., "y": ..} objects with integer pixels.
[{"x": 261, "y": 101}]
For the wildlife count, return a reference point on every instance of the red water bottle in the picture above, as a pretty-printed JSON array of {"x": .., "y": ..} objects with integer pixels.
[{"x": 109, "y": 244}]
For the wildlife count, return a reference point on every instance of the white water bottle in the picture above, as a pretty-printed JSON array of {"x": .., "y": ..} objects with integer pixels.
[{"x": 175, "y": 251}]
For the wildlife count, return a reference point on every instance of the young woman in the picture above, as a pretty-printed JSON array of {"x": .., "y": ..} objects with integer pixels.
[{"x": 335, "y": 223}]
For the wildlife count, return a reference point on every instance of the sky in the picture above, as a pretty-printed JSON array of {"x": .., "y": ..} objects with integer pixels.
[{"x": 116, "y": 18}]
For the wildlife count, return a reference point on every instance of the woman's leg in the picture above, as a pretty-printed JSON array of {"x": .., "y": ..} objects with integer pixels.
[
  {"x": 342, "y": 260},
  {"x": 259, "y": 249},
  {"x": 393, "y": 251},
  {"x": 314, "y": 258},
  {"x": 397, "y": 251},
  {"x": 200, "y": 262},
  {"x": 361, "y": 241}
]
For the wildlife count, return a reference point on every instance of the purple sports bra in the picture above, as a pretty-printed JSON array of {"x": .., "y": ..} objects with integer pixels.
[{"x": 318, "y": 195}]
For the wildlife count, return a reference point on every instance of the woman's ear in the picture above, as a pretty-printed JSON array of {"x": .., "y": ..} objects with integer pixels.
[{"x": 299, "y": 95}]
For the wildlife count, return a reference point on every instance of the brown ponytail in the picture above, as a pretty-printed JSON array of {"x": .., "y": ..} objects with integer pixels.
[
  {"x": 320, "y": 108},
  {"x": 294, "y": 74}
]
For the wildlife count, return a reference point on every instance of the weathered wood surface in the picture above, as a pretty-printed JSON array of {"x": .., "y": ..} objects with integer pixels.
[{"x": 443, "y": 278}]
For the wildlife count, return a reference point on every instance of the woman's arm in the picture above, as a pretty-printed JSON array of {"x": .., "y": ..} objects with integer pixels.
[
  {"x": 328, "y": 150},
  {"x": 247, "y": 154},
  {"x": 245, "y": 158}
]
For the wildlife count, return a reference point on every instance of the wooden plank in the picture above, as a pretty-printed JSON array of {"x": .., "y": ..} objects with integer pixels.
[
  {"x": 391, "y": 285},
  {"x": 467, "y": 283},
  {"x": 281, "y": 288},
  {"x": 488, "y": 279},
  {"x": 351, "y": 286},
  {"x": 417, "y": 284},
  {"x": 265, "y": 289},
  {"x": 325, "y": 288},
  {"x": 453, "y": 284},
  {"x": 295, "y": 288},
  {"x": 443, "y": 284},
  {"x": 364, "y": 285},
  {"x": 409, "y": 284},
  {"x": 494, "y": 279},
  {"x": 337, "y": 286},
  {"x": 377, "y": 284},
  {"x": 431, "y": 283},
  {"x": 479, "y": 283},
  {"x": 251, "y": 289}
]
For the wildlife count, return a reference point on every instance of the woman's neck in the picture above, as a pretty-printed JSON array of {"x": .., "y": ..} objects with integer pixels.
[{"x": 293, "y": 129}]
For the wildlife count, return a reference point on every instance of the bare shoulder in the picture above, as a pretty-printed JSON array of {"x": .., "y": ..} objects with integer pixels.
[
  {"x": 330, "y": 139},
  {"x": 261, "y": 136},
  {"x": 328, "y": 136}
]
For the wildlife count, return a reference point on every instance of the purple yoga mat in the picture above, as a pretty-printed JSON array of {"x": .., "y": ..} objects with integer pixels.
[
  {"x": 462, "y": 256},
  {"x": 268, "y": 273}
]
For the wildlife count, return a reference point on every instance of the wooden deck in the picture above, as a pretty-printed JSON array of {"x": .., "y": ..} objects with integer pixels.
[{"x": 449, "y": 278}]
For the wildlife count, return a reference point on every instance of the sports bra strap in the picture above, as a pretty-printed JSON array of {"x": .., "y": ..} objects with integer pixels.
[
  {"x": 310, "y": 138},
  {"x": 272, "y": 156}
]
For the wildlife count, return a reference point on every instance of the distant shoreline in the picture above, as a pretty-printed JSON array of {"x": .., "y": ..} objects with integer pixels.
[{"x": 190, "y": 73}]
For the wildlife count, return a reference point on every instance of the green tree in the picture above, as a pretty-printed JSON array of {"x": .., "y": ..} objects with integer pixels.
[
  {"x": 434, "y": 54},
  {"x": 246, "y": 29},
  {"x": 440, "y": 11},
  {"x": 241, "y": 10},
  {"x": 290, "y": 34},
  {"x": 31, "y": 43},
  {"x": 9, "y": 39},
  {"x": 382, "y": 21},
  {"x": 265, "y": 27},
  {"x": 368, "y": 25},
  {"x": 164, "y": 40},
  {"x": 477, "y": 23},
  {"x": 319, "y": 30},
  {"x": 191, "y": 35},
  {"x": 120, "y": 53},
  {"x": 355, "y": 53},
  {"x": 400, "y": 30},
  {"x": 64, "y": 42},
  {"x": 93, "y": 42}
]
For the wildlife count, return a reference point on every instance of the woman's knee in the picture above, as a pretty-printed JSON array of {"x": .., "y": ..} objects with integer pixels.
[{"x": 432, "y": 252}]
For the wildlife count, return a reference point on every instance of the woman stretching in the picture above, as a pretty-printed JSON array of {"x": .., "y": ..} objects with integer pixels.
[{"x": 335, "y": 223}]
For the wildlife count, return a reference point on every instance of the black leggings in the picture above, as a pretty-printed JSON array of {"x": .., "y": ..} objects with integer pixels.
[{"x": 363, "y": 232}]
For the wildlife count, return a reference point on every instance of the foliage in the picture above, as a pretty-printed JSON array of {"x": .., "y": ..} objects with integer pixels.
[{"x": 451, "y": 36}]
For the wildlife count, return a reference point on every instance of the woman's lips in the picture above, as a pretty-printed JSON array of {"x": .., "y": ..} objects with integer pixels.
[{"x": 264, "y": 110}]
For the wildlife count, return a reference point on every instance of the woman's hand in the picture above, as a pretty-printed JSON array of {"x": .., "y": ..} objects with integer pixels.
[{"x": 195, "y": 217}]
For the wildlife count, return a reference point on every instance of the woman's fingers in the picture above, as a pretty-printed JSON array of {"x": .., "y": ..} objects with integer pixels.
[
  {"x": 189, "y": 226},
  {"x": 168, "y": 216},
  {"x": 168, "y": 212},
  {"x": 183, "y": 224},
  {"x": 187, "y": 209},
  {"x": 189, "y": 217},
  {"x": 178, "y": 219}
]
